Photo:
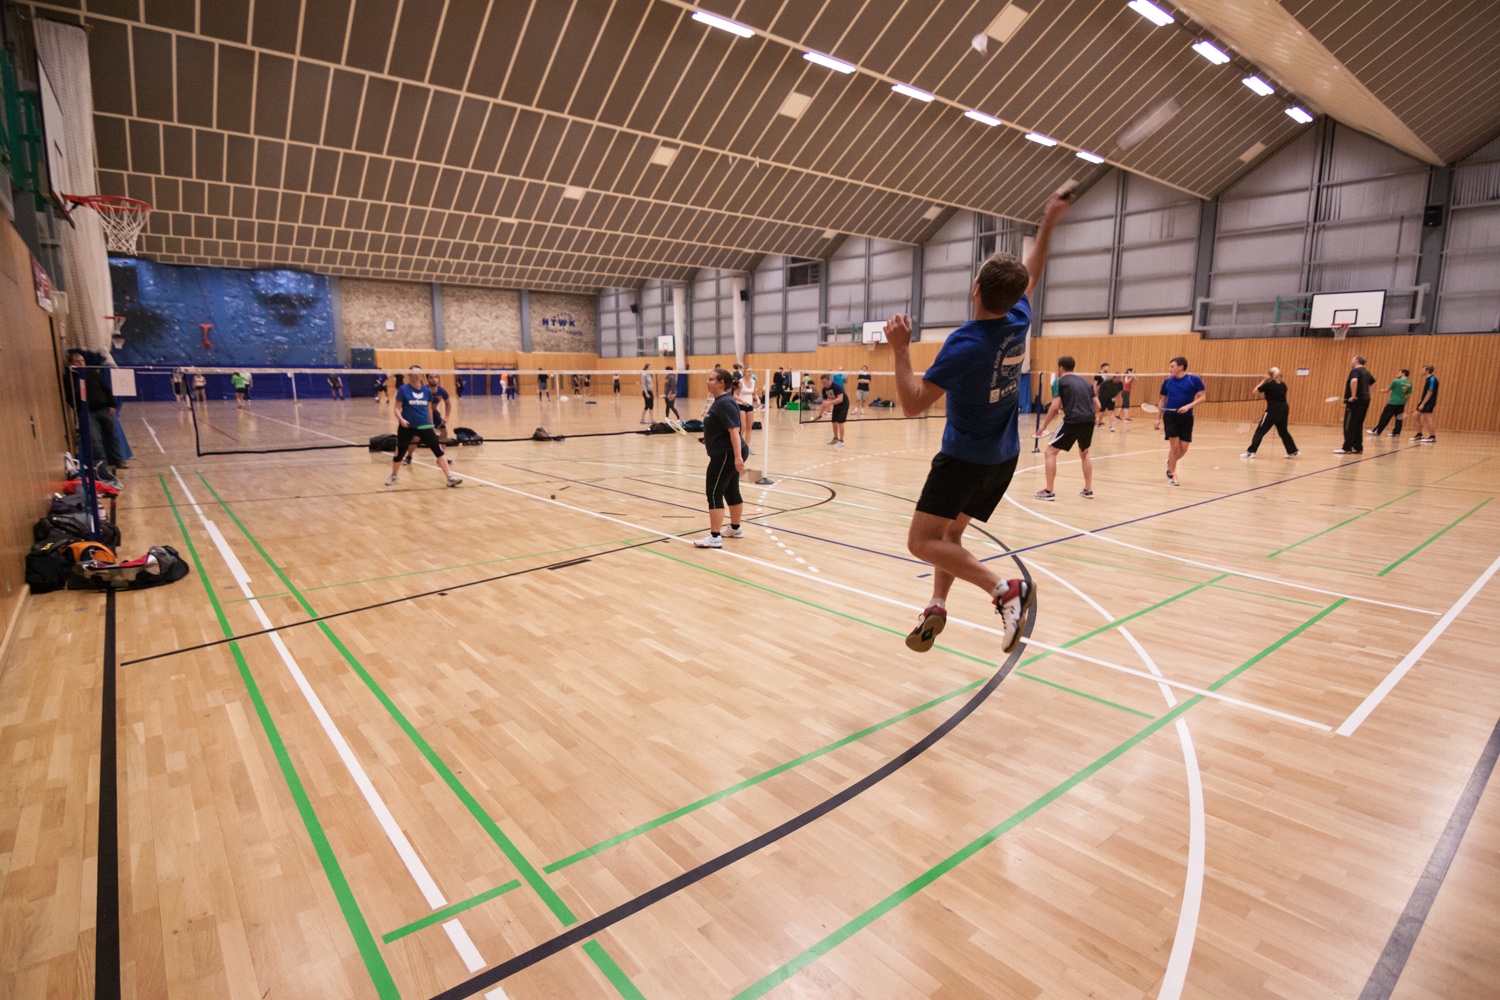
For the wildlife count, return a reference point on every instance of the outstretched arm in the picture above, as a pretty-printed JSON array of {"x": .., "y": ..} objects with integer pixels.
[
  {"x": 1036, "y": 260},
  {"x": 916, "y": 394}
]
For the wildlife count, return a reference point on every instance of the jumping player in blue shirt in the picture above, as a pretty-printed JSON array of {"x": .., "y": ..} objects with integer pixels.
[
  {"x": 414, "y": 412},
  {"x": 979, "y": 368}
]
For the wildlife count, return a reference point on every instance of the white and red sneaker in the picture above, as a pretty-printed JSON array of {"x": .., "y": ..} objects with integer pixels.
[{"x": 1013, "y": 598}]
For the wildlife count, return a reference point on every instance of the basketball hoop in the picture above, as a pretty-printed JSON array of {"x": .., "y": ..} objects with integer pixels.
[
  {"x": 122, "y": 218},
  {"x": 1340, "y": 331},
  {"x": 116, "y": 338}
]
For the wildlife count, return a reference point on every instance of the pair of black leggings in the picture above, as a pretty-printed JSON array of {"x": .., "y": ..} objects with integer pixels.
[
  {"x": 722, "y": 484},
  {"x": 1391, "y": 410},
  {"x": 1273, "y": 418}
]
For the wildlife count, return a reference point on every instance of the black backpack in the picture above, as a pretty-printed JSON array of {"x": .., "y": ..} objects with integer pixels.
[
  {"x": 48, "y": 565},
  {"x": 467, "y": 435},
  {"x": 76, "y": 526},
  {"x": 695, "y": 425},
  {"x": 383, "y": 442}
]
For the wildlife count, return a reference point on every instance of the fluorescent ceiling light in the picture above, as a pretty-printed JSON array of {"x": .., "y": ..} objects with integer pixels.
[
  {"x": 1258, "y": 85},
  {"x": 828, "y": 62},
  {"x": 1090, "y": 157},
  {"x": 1298, "y": 115},
  {"x": 722, "y": 23},
  {"x": 664, "y": 156},
  {"x": 573, "y": 192},
  {"x": 794, "y": 105},
  {"x": 1211, "y": 52},
  {"x": 913, "y": 92},
  {"x": 1045, "y": 140},
  {"x": 982, "y": 118},
  {"x": 1150, "y": 12}
]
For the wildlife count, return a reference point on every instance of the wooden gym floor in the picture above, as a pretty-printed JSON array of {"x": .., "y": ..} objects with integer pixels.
[{"x": 384, "y": 739}]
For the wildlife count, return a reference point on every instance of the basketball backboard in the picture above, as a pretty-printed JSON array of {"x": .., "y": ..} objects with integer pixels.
[{"x": 1353, "y": 309}]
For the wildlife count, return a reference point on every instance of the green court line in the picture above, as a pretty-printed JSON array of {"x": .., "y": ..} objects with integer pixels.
[
  {"x": 1434, "y": 538},
  {"x": 364, "y": 939},
  {"x": 612, "y": 971},
  {"x": 450, "y": 911},
  {"x": 1464, "y": 469},
  {"x": 811, "y": 954},
  {"x": 1082, "y": 694},
  {"x": 1325, "y": 531},
  {"x": 1269, "y": 597},
  {"x": 528, "y": 872}
]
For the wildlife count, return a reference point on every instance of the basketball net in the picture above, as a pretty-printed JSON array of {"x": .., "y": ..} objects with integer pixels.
[
  {"x": 123, "y": 219},
  {"x": 1340, "y": 331}
]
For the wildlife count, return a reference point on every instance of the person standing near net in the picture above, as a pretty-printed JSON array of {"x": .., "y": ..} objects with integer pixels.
[
  {"x": 1277, "y": 411},
  {"x": 1180, "y": 393},
  {"x": 836, "y": 403},
  {"x": 721, "y": 438},
  {"x": 414, "y": 416},
  {"x": 382, "y": 391},
  {"x": 746, "y": 396},
  {"x": 237, "y": 379},
  {"x": 862, "y": 387},
  {"x": 543, "y": 389},
  {"x": 648, "y": 395},
  {"x": 1395, "y": 405},
  {"x": 669, "y": 394},
  {"x": 200, "y": 387},
  {"x": 1078, "y": 402},
  {"x": 441, "y": 409},
  {"x": 1426, "y": 407},
  {"x": 1356, "y": 406},
  {"x": 978, "y": 369},
  {"x": 335, "y": 386},
  {"x": 101, "y": 399},
  {"x": 1127, "y": 384},
  {"x": 180, "y": 387}
]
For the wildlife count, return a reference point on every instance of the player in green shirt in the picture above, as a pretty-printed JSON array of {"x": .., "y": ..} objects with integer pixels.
[{"x": 1395, "y": 406}]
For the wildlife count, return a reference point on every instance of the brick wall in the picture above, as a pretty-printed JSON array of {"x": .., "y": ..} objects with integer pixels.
[
  {"x": 367, "y": 305},
  {"x": 481, "y": 319},
  {"x": 563, "y": 322}
]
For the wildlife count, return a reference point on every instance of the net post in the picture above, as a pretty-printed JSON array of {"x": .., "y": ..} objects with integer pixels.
[
  {"x": 765, "y": 440},
  {"x": 86, "y": 453},
  {"x": 293, "y": 377}
]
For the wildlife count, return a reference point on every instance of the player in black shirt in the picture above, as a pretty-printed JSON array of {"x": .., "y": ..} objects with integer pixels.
[
  {"x": 1274, "y": 389},
  {"x": 721, "y": 438},
  {"x": 1356, "y": 405}
]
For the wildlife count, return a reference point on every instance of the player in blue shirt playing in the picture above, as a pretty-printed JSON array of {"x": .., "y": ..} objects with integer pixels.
[
  {"x": 979, "y": 368},
  {"x": 414, "y": 411},
  {"x": 1180, "y": 392}
]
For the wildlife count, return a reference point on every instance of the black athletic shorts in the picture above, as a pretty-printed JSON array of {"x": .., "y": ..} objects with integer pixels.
[
  {"x": 722, "y": 482},
  {"x": 649, "y": 400},
  {"x": 745, "y": 407},
  {"x": 428, "y": 436},
  {"x": 1177, "y": 425},
  {"x": 1081, "y": 434},
  {"x": 957, "y": 487},
  {"x": 1107, "y": 404},
  {"x": 1427, "y": 408},
  {"x": 841, "y": 413}
]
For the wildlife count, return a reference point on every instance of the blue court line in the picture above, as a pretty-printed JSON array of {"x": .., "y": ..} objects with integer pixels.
[{"x": 1190, "y": 506}]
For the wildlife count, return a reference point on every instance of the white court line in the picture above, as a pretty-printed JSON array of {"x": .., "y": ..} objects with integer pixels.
[
  {"x": 153, "y": 435},
  {"x": 824, "y": 581},
  {"x": 393, "y": 832},
  {"x": 1175, "y": 976},
  {"x": 1211, "y": 566},
  {"x": 1358, "y": 716},
  {"x": 305, "y": 430}
]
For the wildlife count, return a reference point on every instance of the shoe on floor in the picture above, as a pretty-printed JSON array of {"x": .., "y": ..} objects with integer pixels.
[
  {"x": 1371, "y": 430},
  {"x": 1342, "y": 451},
  {"x": 929, "y": 626},
  {"x": 1430, "y": 440},
  {"x": 838, "y": 444},
  {"x": 392, "y": 481},
  {"x": 1086, "y": 494},
  {"x": 1248, "y": 454},
  {"x": 1044, "y": 495},
  {"x": 454, "y": 480},
  {"x": 406, "y": 460},
  {"x": 1172, "y": 480},
  {"x": 729, "y": 532},
  {"x": 1293, "y": 454},
  {"x": 709, "y": 541},
  {"x": 1013, "y": 598}
]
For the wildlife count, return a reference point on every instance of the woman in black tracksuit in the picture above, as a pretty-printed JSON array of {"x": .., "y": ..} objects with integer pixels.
[{"x": 1275, "y": 416}]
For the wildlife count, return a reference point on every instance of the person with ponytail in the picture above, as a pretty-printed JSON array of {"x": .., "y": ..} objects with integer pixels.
[{"x": 1274, "y": 389}]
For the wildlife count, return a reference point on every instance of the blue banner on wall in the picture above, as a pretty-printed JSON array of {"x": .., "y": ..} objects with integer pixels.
[{"x": 256, "y": 318}]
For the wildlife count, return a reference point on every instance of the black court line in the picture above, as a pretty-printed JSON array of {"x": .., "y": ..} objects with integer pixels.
[
  {"x": 589, "y": 928},
  {"x": 107, "y": 891},
  {"x": 429, "y": 593},
  {"x": 1392, "y": 960},
  {"x": 439, "y": 591}
]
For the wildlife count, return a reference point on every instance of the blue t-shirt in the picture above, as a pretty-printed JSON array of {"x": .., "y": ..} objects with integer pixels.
[
  {"x": 380, "y": 381},
  {"x": 1180, "y": 391},
  {"x": 980, "y": 367},
  {"x": 416, "y": 405}
]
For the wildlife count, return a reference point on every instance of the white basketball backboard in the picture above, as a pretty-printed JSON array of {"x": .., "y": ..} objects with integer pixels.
[{"x": 1356, "y": 309}]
